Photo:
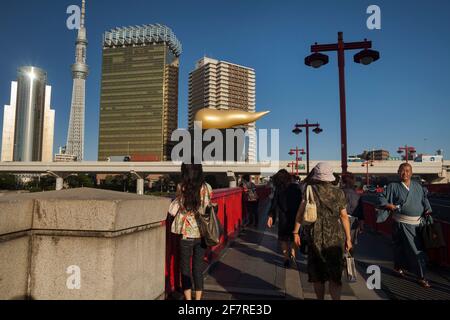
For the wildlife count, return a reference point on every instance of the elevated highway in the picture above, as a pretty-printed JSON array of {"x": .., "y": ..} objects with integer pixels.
[{"x": 432, "y": 172}]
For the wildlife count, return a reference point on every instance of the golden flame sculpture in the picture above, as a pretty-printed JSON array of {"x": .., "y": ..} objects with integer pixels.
[{"x": 226, "y": 119}]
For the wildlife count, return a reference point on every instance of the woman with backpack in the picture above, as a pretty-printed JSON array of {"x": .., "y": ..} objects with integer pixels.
[{"x": 193, "y": 196}]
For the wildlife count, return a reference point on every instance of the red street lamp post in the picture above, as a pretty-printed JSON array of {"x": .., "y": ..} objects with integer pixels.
[
  {"x": 408, "y": 150},
  {"x": 291, "y": 165},
  {"x": 316, "y": 130},
  {"x": 367, "y": 163},
  {"x": 365, "y": 57},
  {"x": 297, "y": 151}
]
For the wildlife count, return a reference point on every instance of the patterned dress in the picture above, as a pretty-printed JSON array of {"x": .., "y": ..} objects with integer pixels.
[
  {"x": 327, "y": 236},
  {"x": 188, "y": 226}
]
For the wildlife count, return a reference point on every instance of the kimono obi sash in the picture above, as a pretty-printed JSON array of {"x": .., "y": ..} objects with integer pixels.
[{"x": 401, "y": 218}]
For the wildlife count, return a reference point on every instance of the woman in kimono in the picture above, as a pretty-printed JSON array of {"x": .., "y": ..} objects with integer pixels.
[{"x": 408, "y": 202}]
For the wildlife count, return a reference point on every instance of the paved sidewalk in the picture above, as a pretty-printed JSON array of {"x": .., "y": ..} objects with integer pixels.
[
  {"x": 376, "y": 249},
  {"x": 252, "y": 269}
]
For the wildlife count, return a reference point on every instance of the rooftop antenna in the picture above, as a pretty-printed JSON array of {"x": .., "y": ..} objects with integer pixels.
[{"x": 83, "y": 13}]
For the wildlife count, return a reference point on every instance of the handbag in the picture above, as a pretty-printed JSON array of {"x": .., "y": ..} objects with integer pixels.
[
  {"x": 310, "y": 214},
  {"x": 350, "y": 269},
  {"x": 432, "y": 235},
  {"x": 209, "y": 225}
]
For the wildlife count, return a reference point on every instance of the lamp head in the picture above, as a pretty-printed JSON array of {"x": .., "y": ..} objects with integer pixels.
[
  {"x": 317, "y": 130},
  {"x": 316, "y": 60},
  {"x": 366, "y": 56}
]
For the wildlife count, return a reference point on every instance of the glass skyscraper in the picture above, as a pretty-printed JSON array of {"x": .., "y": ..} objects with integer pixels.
[
  {"x": 28, "y": 125},
  {"x": 139, "y": 92}
]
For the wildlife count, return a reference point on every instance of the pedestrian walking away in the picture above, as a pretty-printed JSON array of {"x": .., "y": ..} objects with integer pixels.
[
  {"x": 193, "y": 195},
  {"x": 354, "y": 207},
  {"x": 283, "y": 210},
  {"x": 251, "y": 201},
  {"x": 329, "y": 233}
]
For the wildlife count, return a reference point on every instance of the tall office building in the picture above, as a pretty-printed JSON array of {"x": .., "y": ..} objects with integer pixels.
[
  {"x": 222, "y": 85},
  {"x": 139, "y": 93},
  {"x": 28, "y": 122},
  {"x": 80, "y": 71}
]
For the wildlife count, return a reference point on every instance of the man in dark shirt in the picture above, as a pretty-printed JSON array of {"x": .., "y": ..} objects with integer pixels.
[{"x": 354, "y": 206}]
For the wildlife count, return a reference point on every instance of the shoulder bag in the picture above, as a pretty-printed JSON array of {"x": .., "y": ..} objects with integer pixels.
[
  {"x": 310, "y": 214},
  {"x": 432, "y": 235},
  {"x": 209, "y": 224}
]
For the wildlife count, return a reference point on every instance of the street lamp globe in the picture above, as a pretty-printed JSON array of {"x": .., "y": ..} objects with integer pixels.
[
  {"x": 317, "y": 130},
  {"x": 316, "y": 60},
  {"x": 366, "y": 56},
  {"x": 297, "y": 131}
]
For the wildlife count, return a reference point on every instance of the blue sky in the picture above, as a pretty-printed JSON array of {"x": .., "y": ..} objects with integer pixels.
[{"x": 404, "y": 98}]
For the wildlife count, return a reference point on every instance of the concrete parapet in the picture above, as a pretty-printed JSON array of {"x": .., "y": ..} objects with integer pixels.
[{"x": 82, "y": 244}]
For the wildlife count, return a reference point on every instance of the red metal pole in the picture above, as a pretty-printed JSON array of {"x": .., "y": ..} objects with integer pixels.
[
  {"x": 367, "y": 174},
  {"x": 307, "y": 146},
  {"x": 296, "y": 160},
  {"x": 341, "y": 63}
]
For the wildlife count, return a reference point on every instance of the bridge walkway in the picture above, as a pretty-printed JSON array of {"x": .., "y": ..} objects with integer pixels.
[{"x": 252, "y": 269}]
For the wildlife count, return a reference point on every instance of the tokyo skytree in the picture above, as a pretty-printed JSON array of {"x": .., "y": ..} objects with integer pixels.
[{"x": 80, "y": 71}]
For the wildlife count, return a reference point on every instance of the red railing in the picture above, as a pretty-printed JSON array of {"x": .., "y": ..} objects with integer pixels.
[
  {"x": 230, "y": 216},
  {"x": 441, "y": 189},
  {"x": 437, "y": 256},
  {"x": 370, "y": 217}
]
